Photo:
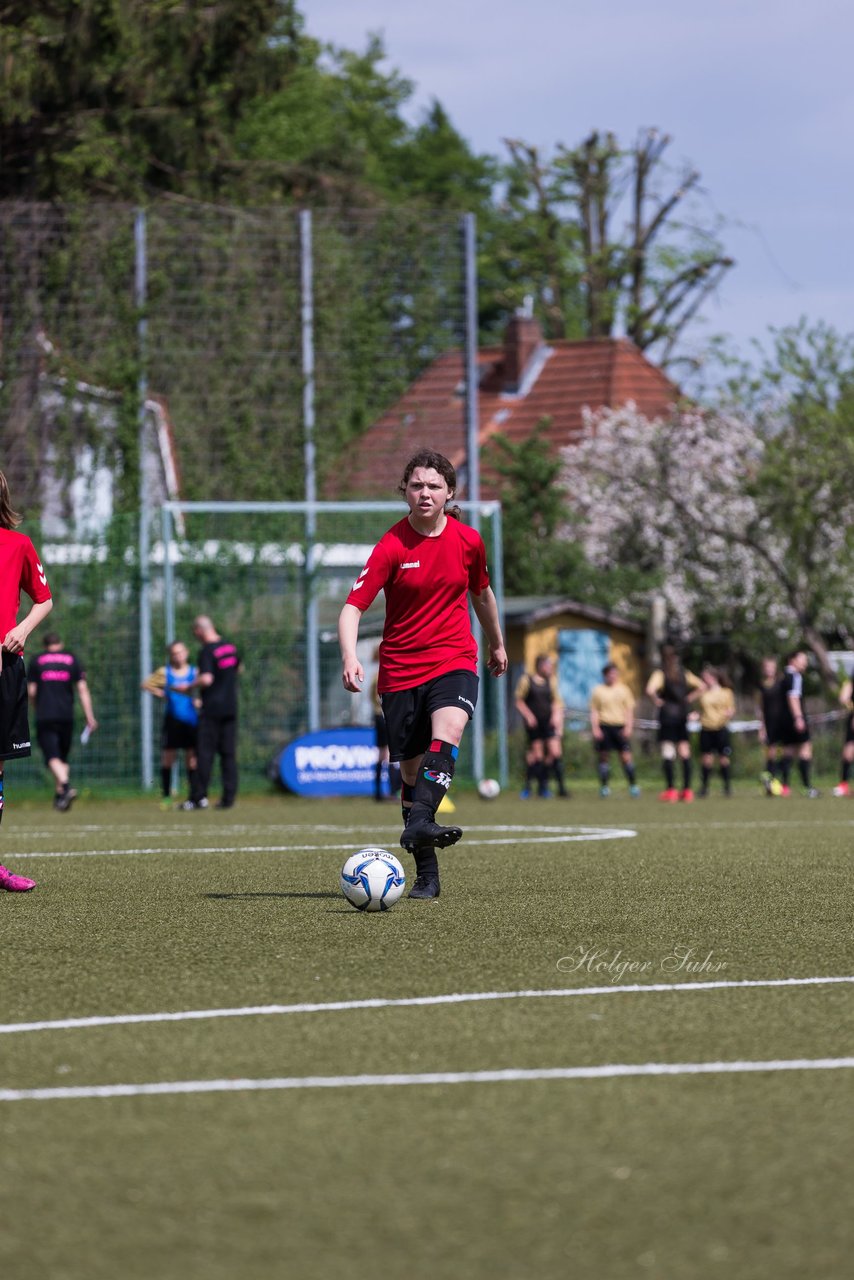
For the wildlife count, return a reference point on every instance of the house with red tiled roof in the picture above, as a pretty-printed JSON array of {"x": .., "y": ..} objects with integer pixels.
[{"x": 522, "y": 383}]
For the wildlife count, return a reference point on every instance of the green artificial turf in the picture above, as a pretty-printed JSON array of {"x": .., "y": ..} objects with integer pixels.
[{"x": 681, "y": 1177}]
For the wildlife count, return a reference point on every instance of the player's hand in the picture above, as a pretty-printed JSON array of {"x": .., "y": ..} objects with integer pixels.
[
  {"x": 15, "y": 639},
  {"x": 353, "y": 675},
  {"x": 497, "y": 664},
  {"x": 92, "y": 725}
]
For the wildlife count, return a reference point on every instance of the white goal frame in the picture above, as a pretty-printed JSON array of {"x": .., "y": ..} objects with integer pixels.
[{"x": 165, "y": 556}]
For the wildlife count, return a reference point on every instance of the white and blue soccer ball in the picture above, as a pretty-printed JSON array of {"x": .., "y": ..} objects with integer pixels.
[
  {"x": 488, "y": 789},
  {"x": 372, "y": 880}
]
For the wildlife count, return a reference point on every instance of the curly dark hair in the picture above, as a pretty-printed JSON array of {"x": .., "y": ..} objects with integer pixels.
[
  {"x": 428, "y": 458},
  {"x": 8, "y": 516}
]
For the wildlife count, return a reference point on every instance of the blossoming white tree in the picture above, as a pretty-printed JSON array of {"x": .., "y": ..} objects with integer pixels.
[{"x": 748, "y": 527}]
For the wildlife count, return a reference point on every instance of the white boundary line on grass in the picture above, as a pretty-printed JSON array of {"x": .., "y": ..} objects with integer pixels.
[
  {"x": 462, "y": 997},
  {"x": 556, "y": 835},
  {"x": 511, "y": 1074}
]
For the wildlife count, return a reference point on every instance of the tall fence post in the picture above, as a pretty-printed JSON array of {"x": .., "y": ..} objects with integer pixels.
[
  {"x": 144, "y": 548},
  {"x": 312, "y": 637},
  {"x": 497, "y": 577},
  {"x": 472, "y": 411}
]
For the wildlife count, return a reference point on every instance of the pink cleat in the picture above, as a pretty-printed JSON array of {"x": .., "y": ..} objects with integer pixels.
[{"x": 15, "y": 884}]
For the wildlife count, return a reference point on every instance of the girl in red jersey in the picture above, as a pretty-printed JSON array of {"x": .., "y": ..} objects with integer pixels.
[
  {"x": 20, "y": 568},
  {"x": 428, "y": 565}
]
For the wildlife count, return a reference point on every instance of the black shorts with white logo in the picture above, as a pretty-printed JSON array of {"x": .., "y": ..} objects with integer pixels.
[
  {"x": 54, "y": 738},
  {"x": 407, "y": 712},
  {"x": 14, "y": 722},
  {"x": 612, "y": 737}
]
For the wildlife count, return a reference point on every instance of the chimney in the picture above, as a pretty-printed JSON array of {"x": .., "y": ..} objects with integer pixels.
[{"x": 522, "y": 338}]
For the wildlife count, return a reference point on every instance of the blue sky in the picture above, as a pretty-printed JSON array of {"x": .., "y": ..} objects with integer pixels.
[{"x": 757, "y": 94}]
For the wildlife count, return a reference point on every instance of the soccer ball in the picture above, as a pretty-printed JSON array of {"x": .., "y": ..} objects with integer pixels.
[
  {"x": 488, "y": 789},
  {"x": 372, "y": 880}
]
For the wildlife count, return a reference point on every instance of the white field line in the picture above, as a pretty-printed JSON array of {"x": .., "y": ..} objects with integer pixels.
[
  {"x": 462, "y": 997},
  {"x": 508, "y": 1075},
  {"x": 558, "y": 835}
]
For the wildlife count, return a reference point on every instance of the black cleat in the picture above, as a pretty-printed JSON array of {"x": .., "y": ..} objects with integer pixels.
[
  {"x": 418, "y": 834},
  {"x": 65, "y": 800},
  {"x": 425, "y": 887}
]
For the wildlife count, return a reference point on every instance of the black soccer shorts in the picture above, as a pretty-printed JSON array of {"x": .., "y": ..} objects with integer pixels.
[
  {"x": 407, "y": 711},
  {"x": 612, "y": 737},
  {"x": 54, "y": 738},
  {"x": 14, "y": 721},
  {"x": 716, "y": 742}
]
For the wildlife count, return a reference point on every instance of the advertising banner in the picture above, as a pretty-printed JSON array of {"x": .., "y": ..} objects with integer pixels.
[{"x": 330, "y": 762}]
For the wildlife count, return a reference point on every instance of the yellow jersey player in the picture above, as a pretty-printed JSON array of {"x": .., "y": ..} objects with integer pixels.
[
  {"x": 716, "y": 704},
  {"x": 612, "y": 718}
]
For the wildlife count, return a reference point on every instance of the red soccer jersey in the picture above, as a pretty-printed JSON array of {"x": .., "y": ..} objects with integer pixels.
[
  {"x": 426, "y": 583},
  {"x": 20, "y": 568}
]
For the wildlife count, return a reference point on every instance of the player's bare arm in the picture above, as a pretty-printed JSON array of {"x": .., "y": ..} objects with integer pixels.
[
  {"x": 652, "y": 691},
  {"x": 526, "y": 713},
  {"x": 352, "y": 673},
  {"x": 86, "y": 703},
  {"x": 486, "y": 610},
  {"x": 15, "y": 639}
]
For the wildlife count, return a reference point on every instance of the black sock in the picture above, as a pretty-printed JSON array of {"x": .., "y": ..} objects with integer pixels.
[
  {"x": 707, "y": 773},
  {"x": 378, "y": 780},
  {"x": 434, "y": 779},
  {"x": 686, "y": 774},
  {"x": 406, "y": 796},
  {"x": 786, "y": 770},
  {"x": 604, "y": 772},
  {"x": 725, "y": 778},
  {"x": 805, "y": 770},
  {"x": 669, "y": 774},
  {"x": 166, "y": 781},
  {"x": 773, "y": 766},
  {"x": 629, "y": 771},
  {"x": 542, "y": 776},
  {"x": 846, "y": 769},
  {"x": 394, "y": 779},
  {"x": 1, "y": 797},
  {"x": 426, "y": 861},
  {"x": 557, "y": 770}
]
